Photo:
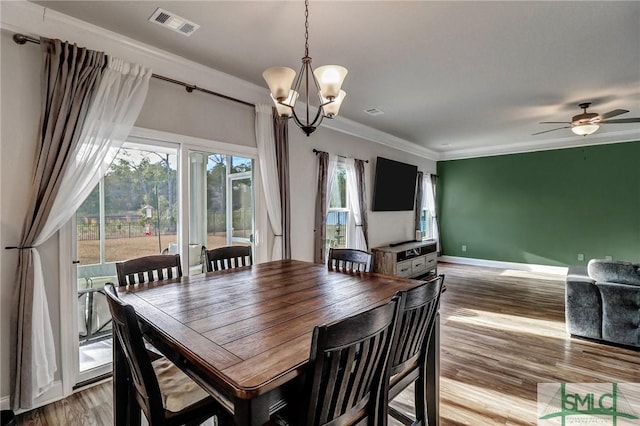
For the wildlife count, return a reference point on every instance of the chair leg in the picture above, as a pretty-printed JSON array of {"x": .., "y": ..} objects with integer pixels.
[
  {"x": 420, "y": 394},
  {"x": 431, "y": 372}
]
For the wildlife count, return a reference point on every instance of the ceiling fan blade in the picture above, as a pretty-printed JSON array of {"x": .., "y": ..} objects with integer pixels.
[
  {"x": 621, "y": 120},
  {"x": 552, "y": 130},
  {"x": 613, "y": 113},
  {"x": 555, "y": 122}
]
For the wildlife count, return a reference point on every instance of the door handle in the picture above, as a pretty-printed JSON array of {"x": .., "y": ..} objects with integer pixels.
[{"x": 75, "y": 262}]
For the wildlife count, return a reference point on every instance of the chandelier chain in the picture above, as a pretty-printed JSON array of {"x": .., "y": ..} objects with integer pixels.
[{"x": 306, "y": 27}]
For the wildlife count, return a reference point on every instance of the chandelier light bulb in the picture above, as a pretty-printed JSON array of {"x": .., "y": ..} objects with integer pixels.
[{"x": 330, "y": 78}]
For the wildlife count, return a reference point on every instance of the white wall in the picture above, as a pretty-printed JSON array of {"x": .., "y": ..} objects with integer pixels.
[
  {"x": 384, "y": 227},
  {"x": 171, "y": 108},
  {"x": 168, "y": 108}
]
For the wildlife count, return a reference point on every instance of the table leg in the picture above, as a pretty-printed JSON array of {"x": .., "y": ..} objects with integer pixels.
[
  {"x": 125, "y": 411},
  {"x": 433, "y": 375},
  {"x": 252, "y": 412}
]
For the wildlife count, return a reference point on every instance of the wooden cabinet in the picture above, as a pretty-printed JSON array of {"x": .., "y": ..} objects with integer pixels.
[{"x": 411, "y": 260}]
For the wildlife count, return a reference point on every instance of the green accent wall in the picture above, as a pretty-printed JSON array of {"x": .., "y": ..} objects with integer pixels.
[{"x": 543, "y": 207}]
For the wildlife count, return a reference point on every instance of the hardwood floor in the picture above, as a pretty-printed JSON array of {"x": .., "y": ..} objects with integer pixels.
[{"x": 502, "y": 333}]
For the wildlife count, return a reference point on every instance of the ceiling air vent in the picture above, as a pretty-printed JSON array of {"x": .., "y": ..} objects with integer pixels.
[
  {"x": 173, "y": 22},
  {"x": 373, "y": 111}
]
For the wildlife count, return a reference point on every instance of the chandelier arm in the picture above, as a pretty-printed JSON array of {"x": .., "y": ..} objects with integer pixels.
[
  {"x": 313, "y": 123},
  {"x": 306, "y": 84},
  {"x": 296, "y": 119},
  {"x": 296, "y": 84},
  {"x": 283, "y": 104},
  {"x": 330, "y": 101}
]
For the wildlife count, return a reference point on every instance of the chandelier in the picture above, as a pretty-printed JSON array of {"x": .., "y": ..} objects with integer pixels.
[{"x": 325, "y": 82}]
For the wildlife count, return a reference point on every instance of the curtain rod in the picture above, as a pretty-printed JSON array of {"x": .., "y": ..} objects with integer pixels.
[
  {"x": 316, "y": 152},
  {"x": 22, "y": 39}
]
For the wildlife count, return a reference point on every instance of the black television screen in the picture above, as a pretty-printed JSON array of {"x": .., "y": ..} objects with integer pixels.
[{"x": 394, "y": 187}]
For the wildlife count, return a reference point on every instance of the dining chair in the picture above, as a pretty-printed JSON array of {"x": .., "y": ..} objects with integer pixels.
[
  {"x": 416, "y": 318},
  {"x": 349, "y": 260},
  {"x": 163, "y": 392},
  {"x": 348, "y": 371},
  {"x": 149, "y": 269},
  {"x": 228, "y": 257}
]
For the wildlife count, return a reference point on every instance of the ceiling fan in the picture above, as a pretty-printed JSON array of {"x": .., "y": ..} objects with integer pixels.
[{"x": 588, "y": 122}]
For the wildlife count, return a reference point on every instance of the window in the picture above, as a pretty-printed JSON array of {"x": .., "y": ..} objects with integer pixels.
[
  {"x": 222, "y": 203},
  {"x": 339, "y": 213},
  {"x": 426, "y": 221},
  {"x": 428, "y": 225}
]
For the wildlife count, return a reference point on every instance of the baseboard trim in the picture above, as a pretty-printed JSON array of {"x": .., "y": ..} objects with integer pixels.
[
  {"x": 555, "y": 270},
  {"x": 52, "y": 395}
]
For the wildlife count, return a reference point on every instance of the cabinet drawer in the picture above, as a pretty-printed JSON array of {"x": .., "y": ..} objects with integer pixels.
[
  {"x": 419, "y": 264},
  {"x": 403, "y": 269}
]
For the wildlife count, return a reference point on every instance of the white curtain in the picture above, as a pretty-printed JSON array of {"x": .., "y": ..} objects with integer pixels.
[
  {"x": 265, "y": 141},
  {"x": 332, "y": 165},
  {"x": 430, "y": 205},
  {"x": 358, "y": 240},
  {"x": 111, "y": 115}
]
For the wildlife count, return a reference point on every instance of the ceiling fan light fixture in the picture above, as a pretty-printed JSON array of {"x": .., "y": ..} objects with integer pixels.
[
  {"x": 325, "y": 81},
  {"x": 585, "y": 129}
]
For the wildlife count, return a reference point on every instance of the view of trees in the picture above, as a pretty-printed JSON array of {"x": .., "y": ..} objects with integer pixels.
[
  {"x": 140, "y": 179},
  {"x": 217, "y": 192},
  {"x": 135, "y": 180}
]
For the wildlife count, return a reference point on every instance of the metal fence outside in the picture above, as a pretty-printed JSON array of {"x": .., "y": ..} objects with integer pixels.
[{"x": 118, "y": 228}]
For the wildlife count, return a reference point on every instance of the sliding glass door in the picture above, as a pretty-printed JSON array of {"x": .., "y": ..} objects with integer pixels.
[{"x": 132, "y": 212}]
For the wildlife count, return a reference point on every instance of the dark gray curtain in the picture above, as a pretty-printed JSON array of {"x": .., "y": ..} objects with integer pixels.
[
  {"x": 69, "y": 79},
  {"x": 281, "y": 129},
  {"x": 321, "y": 208},
  {"x": 362, "y": 199},
  {"x": 418, "y": 206}
]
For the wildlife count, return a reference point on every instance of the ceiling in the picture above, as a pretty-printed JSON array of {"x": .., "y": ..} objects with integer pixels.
[{"x": 450, "y": 76}]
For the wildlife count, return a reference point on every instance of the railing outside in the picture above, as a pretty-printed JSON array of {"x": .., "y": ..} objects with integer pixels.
[
  {"x": 94, "y": 325},
  {"x": 337, "y": 228}
]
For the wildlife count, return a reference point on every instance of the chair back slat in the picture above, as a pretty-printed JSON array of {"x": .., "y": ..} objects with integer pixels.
[
  {"x": 349, "y": 366},
  {"x": 228, "y": 257},
  {"x": 349, "y": 260},
  {"x": 143, "y": 377},
  {"x": 149, "y": 269},
  {"x": 415, "y": 322}
]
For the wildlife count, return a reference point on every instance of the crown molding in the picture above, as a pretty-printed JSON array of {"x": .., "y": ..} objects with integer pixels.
[
  {"x": 546, "y": 145},
  {"x": 34, "y": 20},
  {"x": 354, "y": 128}
]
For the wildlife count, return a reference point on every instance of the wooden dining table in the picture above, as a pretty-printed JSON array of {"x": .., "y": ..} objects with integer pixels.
[{"x": 244, "y": 334}]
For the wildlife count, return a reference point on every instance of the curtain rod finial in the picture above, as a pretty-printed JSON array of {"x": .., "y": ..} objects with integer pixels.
[{"x": 19, "y": 38}]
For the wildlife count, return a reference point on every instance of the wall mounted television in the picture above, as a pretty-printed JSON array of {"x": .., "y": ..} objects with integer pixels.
[{"x": 394, "y": 187}]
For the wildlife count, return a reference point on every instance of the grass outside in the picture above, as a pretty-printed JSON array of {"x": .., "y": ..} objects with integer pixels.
[{"x": 119, "y": 249}]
